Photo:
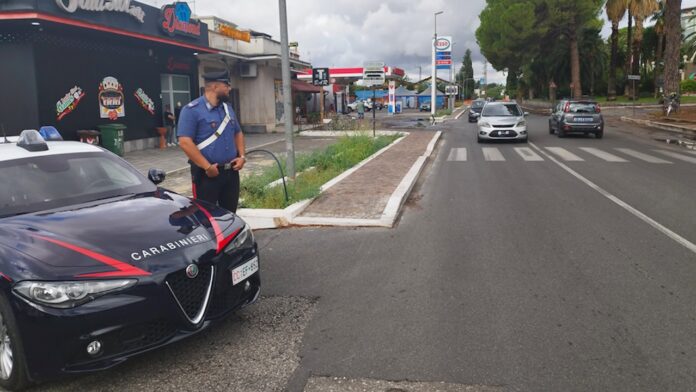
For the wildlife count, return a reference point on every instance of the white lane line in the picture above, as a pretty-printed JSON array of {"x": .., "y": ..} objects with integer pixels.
[
  {"x": 641, "y": 156},
  {"x": 457, "y": 155},
  {"x": 528, "y": 154},
  {"x": 664, "y": 230},
  {"x": 603, "y": 154},
  {"x": 674, "y": 155},
  {"x": 565, "y": 154},
  {"x": 492, "y": 154},
  {"x": 460, "y": 114}
]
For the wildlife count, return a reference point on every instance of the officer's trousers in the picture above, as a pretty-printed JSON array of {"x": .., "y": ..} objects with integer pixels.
[{"x": 222, "y": 190}]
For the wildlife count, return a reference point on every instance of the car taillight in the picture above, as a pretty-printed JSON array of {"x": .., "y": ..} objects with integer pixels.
[
  {"x": 567, "y": 108},
  {"x": 598, "y": 109}
]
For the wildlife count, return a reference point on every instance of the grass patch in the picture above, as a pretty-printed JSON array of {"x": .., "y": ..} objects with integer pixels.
[
  {"x": 443, "y": 112},
  {"x": 337, "y": 158}
]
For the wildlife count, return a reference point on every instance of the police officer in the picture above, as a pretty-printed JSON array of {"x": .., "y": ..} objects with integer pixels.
[{"x": 211, "y": 137}]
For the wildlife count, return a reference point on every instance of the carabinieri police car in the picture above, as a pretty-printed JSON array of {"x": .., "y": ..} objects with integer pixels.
[{"x": 98, "y": 263}]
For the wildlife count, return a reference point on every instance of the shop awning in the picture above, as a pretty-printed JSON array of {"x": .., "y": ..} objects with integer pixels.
[{"x": 302, "y": 87}]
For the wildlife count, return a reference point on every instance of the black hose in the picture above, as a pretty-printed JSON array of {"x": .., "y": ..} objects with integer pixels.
[{"x": 280, "y": 167}]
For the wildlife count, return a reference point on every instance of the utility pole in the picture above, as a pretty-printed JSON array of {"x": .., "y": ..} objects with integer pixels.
[
  {"x": 287, "y": 90},
  {"x": 485, "y": 79}
]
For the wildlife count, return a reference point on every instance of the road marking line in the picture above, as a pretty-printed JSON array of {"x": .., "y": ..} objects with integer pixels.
[
  {"x": 656, "y": 225},
  {"x": 492, "y": 154},
  {"x": 528, "y": 154},
  {"x": 457, "y": 155},
  {"x": 677, "y": 156},
  {"x": 641, "y": 156},
  {"x": 460, "y": 114},
  {"x": 565, "y": 154},
  {"x": 602, "y": 154}
]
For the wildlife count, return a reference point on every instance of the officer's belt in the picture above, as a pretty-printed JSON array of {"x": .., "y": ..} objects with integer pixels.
[{"x": 218, "y": 132}]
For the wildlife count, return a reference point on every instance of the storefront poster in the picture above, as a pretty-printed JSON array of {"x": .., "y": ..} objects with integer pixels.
[
  {"x": 144, "y": 101},
  {"x": 69, "y": 102},
  {"x": 111, "y": 102}
]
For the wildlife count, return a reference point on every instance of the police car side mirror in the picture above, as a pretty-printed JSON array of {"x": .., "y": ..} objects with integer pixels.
[{"x": 156, "y": 176}]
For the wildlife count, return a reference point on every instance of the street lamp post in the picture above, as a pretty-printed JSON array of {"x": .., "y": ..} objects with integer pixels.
[
  {"x": 287, "y": 90},
  {"x": 433, "y": 81}
]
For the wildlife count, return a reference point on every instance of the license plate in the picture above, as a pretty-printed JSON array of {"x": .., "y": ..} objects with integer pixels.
[
  {"x": 584, "y": 119},
  {"x": 245, "y": 270}
]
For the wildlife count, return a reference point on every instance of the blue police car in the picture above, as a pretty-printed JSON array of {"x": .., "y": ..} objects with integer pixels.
[{"x": 98, "y": 263}]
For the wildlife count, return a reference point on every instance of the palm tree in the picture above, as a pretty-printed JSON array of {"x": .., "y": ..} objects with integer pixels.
[
  {"x": 616, "y": 9},
  {"x": 640, "y": 9},
  {"x": 672, "y": 45}
]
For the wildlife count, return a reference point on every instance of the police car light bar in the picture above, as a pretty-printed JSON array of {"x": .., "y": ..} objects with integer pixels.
[{"x": 31, "y": 140}]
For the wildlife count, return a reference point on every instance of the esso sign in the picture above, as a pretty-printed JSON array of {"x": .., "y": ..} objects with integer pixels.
[{"x": 443, "y": 44}]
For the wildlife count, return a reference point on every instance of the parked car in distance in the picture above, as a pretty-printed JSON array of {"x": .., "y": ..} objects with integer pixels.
[
  {"x": 424, "y": 107},
  {"x": 475, "y": 109},
  {"x": 577, "y": 116},
  {"x": 502, "y": 121},
  {"x": 353, "y": 106}
]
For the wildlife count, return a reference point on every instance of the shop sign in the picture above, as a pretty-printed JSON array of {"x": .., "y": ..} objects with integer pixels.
[
  {"x": 144, "y": 101},
  {"x": 71, "y": 6},
  {"x": 176, "y": 19},
  {"x": 231, "y": 32},
  {"x": 69, "y": 102},
  {"x": 177, "y": 66},
  {"x": 111, "y": 102},
  {"x": 443, "y": 44}
]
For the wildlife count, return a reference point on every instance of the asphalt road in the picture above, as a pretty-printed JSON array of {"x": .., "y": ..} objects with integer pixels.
[
  {"x": 562, "y": 265},
  {"x": 557, "y": 268}
]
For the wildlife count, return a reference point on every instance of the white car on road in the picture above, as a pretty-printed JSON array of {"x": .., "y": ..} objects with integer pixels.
[{"x": 502, "y": 121}]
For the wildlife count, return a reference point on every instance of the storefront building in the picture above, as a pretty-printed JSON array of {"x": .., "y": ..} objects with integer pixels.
[
  {"x": 253, "y": 60},
  {"x": 76, "y": 65}
]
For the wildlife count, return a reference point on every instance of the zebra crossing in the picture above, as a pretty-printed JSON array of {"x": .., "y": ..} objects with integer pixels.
[{"x": 577, "y": 154}]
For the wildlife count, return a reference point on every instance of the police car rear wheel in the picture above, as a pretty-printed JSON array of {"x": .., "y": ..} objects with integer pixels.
[{"x": 13, "y": 372}]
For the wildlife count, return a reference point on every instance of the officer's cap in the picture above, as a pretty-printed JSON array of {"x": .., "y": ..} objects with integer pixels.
[{"x": 222, "y": 76}]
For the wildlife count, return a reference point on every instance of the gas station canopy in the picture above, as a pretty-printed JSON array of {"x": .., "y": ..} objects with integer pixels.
[{"x": 349, "y": 75}]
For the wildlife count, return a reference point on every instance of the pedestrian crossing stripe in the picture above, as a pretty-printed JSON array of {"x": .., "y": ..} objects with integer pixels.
[
  {"x": 602, "y": 154},
  {"x": 493, "y": 154},
  {"x": 528, "y": 154}
]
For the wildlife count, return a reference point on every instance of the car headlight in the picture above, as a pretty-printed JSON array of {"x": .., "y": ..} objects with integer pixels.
[
  {"x": 521, "y": 124},
  {"x": 243, "y": 240},
  {"x": 69, "y": 294},
  {"x": 484, "y": 124}
]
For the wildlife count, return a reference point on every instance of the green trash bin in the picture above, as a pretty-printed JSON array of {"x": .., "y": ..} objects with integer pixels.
[{"x": 112, "y": 137}]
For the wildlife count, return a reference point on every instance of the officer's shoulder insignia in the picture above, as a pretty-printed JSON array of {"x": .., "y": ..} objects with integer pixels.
[{"x": 193, "y": 103}]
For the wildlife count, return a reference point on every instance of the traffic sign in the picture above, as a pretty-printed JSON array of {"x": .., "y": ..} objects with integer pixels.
[
  {"x": 320, "y": 76},
  {"x": 373, "y": 73},
  {"x": 633, "y": 77},
  {"x": 452, "y": 90}
]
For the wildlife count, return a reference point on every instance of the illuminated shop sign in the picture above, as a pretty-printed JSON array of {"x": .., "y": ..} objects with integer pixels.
[
  {"x": 69, "y": 102},
  {"x": 229, "y": 31},
  {"x": 173, "y": 65},
  {"x": 176, "y": 19},
  {"x": 144, "y": 101},
  {"x": 124, "y": 6},
  {"x": 111, "y": 102}
]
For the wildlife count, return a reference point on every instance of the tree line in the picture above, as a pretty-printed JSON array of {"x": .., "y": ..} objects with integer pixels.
[{"x": 545, "y": 43}]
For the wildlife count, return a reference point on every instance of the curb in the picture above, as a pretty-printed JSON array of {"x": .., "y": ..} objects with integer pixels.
[
  {"x": 393, "y": 207},
  {"x": 662, "y": 126},
  {"x": 379, "y": 132},
  {"x": 259, "y": 218}
]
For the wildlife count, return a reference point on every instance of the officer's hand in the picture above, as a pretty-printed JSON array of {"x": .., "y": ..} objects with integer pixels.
[
  {"x": 238, "y": 163},
  {"x": 212, "y": 171}
]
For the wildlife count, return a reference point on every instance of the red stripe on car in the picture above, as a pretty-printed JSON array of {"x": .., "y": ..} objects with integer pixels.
[
  {"x": 122, "y": 269},
  {"x": 221, "y": 242}
]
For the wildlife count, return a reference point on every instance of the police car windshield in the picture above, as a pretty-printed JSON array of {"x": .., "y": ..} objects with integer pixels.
[{"x": 56, "y": 181}]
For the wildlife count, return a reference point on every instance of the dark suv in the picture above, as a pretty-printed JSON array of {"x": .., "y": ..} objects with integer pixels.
[{"x": 577, "y": 116}]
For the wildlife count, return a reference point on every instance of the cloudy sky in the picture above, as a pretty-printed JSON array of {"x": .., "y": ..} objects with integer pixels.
[{"x": 345, "y": 33}]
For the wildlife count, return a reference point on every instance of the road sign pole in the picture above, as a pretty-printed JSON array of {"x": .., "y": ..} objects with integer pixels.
[
  {"x": 287, "y": 90},
  {"x": 373, "y": 112},
  {"x": 634, "y": 98}
]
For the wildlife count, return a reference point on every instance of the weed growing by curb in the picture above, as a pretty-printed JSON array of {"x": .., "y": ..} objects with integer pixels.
[{"x": 327, "y": 164}]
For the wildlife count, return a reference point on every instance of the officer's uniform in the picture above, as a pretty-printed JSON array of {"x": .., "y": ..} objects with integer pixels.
[{"x": 199, "y": 120}]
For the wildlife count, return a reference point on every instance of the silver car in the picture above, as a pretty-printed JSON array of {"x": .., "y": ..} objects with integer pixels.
[{"x": 502, "y": 121}]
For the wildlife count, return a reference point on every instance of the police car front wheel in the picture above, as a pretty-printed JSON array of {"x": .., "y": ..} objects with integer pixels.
[{"x": 13, "y": 372}]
